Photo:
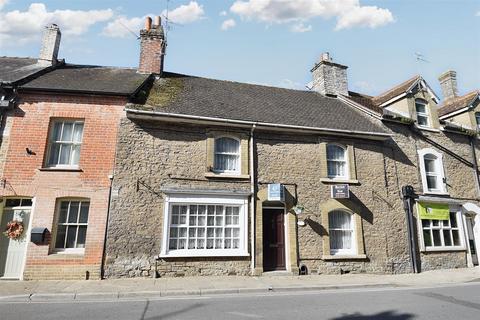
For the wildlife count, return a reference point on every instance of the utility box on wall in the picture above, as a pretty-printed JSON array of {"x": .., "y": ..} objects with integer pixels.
[{"x": 38, "y": 235}]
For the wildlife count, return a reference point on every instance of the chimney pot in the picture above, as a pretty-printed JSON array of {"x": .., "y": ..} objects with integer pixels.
[
  {"x": 148, "y": 23},
  {"x": 158, "y": 21},
  {"x": 448, "y": 82},
  {"x": 50, "y": 45},
  {"x": 325, "y": 56}
]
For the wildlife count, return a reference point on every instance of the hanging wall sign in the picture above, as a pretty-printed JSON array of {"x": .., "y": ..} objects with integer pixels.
[
  {"x": 340, "y": 191},
  {"x": 276, "y": 192},
  {"x": 434, "y": 211}
]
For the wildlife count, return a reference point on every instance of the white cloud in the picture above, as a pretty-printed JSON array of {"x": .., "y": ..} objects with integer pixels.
[
  {"x": 24, "y": 26},
  {"x": 300, "y": 27},
  {"x": 123, "y": 27},
  {"x": 186, "y": 13},
  {"x": 478, "y": 13},
  {"x": 349, "y": 13},
  {"x": 223, "y": 13},
  {"x": 227, "y": 24},
  {"x": 371, "y": 17}
]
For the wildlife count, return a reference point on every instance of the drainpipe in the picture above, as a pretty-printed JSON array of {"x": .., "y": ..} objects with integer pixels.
[
  {"x": 475, "y": 165},
  {"x": 104, "y": 249},
  {"x": 408, "y": 195},
  {"x": 252, "y": 200}
]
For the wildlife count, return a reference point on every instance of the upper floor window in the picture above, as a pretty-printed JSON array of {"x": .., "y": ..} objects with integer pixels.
[
  {"x": 64, "y": 143},
  {"x": 431, "y": 168},
  {"x": 421, "y": 109},
  {"x": 227, "y": 155},
  {"x": 336, "y": 161},
  {"x": 477, "y": 118},
  {"x": 341, "y": 232}
]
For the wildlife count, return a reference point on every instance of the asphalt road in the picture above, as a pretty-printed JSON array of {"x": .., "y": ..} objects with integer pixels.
[{"x": 452, "y": 302}]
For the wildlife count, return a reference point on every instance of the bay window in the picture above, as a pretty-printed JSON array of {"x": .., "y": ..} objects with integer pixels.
[{"x": 205, "y": 226}]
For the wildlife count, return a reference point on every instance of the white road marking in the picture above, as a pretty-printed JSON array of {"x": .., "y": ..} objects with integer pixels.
[{"x": 245, "y": 315}]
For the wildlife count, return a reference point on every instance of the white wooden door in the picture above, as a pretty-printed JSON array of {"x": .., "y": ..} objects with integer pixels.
[{"x": 12, "y": 252}]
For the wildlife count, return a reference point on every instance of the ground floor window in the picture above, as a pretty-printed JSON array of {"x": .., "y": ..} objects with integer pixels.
[
  {"x": 442, "y": 234},
  {"x": 341, "y": 230},
  {"x": 204, "y": 226},
  {"x": 72, "y": 223}
]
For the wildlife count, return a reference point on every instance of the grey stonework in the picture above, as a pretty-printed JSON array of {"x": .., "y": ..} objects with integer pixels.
[
  {"x": 330, "y": 78},
  {"x": 154, "y": 155},
  {"x": 50, "y": 45},
  {"x": 448, "y": 82}
]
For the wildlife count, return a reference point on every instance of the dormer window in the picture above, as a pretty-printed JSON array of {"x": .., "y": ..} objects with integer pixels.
[
  {"x": 421, "y": 108},
  {"x": 227, "y": 155}
]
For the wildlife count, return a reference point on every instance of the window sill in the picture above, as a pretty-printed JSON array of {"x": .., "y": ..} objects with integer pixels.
[
  {"x": 443, "y": 249},
  {"x": 73, "y": 169},
  {"x": 346, "y": 181},
  {"x": 227, "y": 176},
  {"x": 436, "y": 193},
  {"x": 67, "y": 255},
  {"x": 344, "y": 257},
  {"x": 427, "y": 128},
  {"x": 203, "y": 254}
]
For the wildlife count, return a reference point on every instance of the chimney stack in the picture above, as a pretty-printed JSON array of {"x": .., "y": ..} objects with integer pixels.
[
  {"x": 50, "y": 45},
  {"x": 329, "y": 78},
  {"x": 448, "y": 82},
  {"x": 152, "y": 47}
]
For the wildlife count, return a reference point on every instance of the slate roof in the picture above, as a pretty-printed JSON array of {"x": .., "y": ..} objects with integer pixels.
[
  {"x": 457, "y": 103},
  {"x": 72, "y": 78},
  {"x": 365, "y": 100},
  {"x": 14, "y": 69},
  {"x": 189, "y": 95},
  {"x": 395, "y": 91}
]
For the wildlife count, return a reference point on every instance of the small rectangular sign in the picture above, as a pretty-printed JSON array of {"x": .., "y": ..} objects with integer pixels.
[
  {"x": 434, "y": 211},
  {"x": 276, "y": 192},
  {"x": 340, "y": 191}
]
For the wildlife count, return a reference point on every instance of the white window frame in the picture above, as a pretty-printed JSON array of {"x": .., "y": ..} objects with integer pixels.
[
  {"x": 239, "y": 154},
  {"x": 344, "y": 252},
  {"x": 425, "y": 114},
  {"x": 51, "y": 143},
  {"x": 439, "y": 171},
  {"x": 346, "y": 176},
  {"x": 461, "y": 233},
  {"x": 205, "y": 199},
  {"x": 57, "y": 216}
]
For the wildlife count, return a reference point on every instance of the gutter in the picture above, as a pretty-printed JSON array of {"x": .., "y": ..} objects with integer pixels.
[{"x": 266, "y": 125}]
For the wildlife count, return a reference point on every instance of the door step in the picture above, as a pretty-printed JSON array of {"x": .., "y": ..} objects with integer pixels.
[{"x": 277, "y": 273}]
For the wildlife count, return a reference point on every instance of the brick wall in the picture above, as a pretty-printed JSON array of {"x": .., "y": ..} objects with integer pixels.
[{"x": 23, "y": 176}]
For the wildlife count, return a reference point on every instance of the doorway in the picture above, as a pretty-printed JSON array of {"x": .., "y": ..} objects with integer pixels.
[
  {"x": 274, "y": 239},
  {"x": 13, "y": 251}
]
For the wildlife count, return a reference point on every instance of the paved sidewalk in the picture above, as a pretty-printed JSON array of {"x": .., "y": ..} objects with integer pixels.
[{"x": 155, "y": 288}]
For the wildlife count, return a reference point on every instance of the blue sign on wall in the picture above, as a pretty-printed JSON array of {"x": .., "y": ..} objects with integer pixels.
[{"x": 276, "y": 192}]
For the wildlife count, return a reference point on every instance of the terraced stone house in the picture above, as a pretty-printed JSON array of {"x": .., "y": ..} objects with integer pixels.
[{"x": 217, "y": 177}]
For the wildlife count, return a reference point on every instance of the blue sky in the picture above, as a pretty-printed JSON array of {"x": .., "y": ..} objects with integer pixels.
[{"x": 272, "y": 42}]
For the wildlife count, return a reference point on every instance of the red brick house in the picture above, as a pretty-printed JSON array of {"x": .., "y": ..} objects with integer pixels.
[{"x": 58, "y": 165}]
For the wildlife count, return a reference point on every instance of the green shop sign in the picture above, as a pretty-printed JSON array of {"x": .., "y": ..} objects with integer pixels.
[{"x": 434, "y": 211}]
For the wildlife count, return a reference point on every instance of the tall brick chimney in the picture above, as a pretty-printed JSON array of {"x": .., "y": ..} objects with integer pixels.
[
  {"x": 329, "y": 78},
  {"x": 448, "y": 82},
  {"x": 152, "y": 47},
  {"x": 50, "y": 45}
]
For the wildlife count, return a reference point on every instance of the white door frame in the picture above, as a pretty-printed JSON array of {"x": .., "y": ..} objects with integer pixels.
[{"x": 28, "y": 230}]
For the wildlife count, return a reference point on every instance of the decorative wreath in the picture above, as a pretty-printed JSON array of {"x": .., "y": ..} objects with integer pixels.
[{"x": 14, "y": 229}]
